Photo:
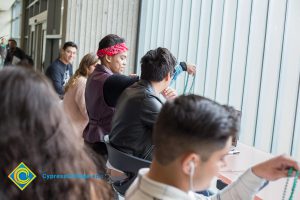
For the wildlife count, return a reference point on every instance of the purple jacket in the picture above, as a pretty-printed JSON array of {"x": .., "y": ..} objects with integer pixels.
[{"x": 100, "y": 114}]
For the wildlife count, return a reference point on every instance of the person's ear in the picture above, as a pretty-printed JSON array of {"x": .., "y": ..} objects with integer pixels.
[
  {"x": 108, "y": 58},
  {"x": 190, "y": 163}
]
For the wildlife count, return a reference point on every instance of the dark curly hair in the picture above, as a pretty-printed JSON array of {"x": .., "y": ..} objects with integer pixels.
[
  {"x": 156, "y": 64},
  {"x": 110, "y": 40},
  {"x": 34, "y": 130}
]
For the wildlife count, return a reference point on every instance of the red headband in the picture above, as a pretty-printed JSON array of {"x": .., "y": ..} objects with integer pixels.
[{"x": 113, "y": 50}]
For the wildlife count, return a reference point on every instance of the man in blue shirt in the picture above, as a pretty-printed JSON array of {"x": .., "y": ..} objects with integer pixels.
[{"x": 61, "y": 69}]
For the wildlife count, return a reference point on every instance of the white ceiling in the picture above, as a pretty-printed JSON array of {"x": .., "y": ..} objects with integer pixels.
[{"x": 6, "y": 4}]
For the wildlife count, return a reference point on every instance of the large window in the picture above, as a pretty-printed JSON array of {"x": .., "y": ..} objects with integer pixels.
[{"x": 16, "y": 21}]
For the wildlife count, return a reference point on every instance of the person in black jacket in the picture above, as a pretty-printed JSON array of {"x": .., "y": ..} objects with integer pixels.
[
  {"x": 60, "y": 71},
  {"x": 14, "y": 54},
  {"x": 104, "y": 87},
  {"x": 139, "y": 105}
]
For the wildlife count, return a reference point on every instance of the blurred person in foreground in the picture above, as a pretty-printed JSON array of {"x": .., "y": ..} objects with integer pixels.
[
  {"x": 192, "y": 137},
  {"x": 34, "y": 130}
]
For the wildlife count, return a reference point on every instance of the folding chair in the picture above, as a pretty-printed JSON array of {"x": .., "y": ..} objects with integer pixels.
[{"x": 126, "y": 163}]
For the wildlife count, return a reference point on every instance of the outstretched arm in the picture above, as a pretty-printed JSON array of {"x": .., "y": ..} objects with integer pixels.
[
  {"x": 183, "y": 66},
  {"x": 253, "y": 179},
  {"x": 275, "y": 168}
]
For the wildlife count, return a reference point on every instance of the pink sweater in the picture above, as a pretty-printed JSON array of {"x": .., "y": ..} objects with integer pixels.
[{"x": 74, "y": 105}]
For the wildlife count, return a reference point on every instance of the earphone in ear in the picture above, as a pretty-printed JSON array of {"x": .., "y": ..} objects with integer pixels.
[
  {"x": 192, "y": 171},
  {"x": 192, "y": 168}
]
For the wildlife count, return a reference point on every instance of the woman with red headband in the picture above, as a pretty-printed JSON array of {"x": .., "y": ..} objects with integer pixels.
[
  {"x": 105, "y": 85},
  {"x": 112, "y": 52}
]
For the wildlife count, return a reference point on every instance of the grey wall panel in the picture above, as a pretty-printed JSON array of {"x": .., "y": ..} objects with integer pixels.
[
  {"x": 296, "y": 131},
  {"x": 132, "y": 34},
  {"x": 240, "y": 51},
  {"x": 82, "y": 32},
  {"x": 155, "y": 21},
  {"x": 183, "y": 38},
  {"x": 162, "y": 23},
  {"x": 202, "y": 48},
  {"x": 193, "y": 31},
  {"x": 143, "y": 32},
  {"x": 175, "y": 28},
  {"x": 226, "y": 51},
  {"x": 253, "y": 69},
  {"x": 193, "y": 36},
  {"x": 89, "y": 21},
  {"x": 288, "y": 84},
  {"x": 214, "y": 48},
  {"x": 167, "y": 38},
  {"x": 93, "y": 40},
  {"x": 270, "y": 73},
  {"x": 247, "y": 56},
  {"x": 100, "y": 17}
]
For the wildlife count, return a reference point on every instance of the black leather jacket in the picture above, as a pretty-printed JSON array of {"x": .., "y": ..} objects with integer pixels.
[{"x": 133, "y": 121}]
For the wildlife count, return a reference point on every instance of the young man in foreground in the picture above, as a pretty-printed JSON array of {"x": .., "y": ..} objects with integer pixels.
[{"x": 192, "y": 136}]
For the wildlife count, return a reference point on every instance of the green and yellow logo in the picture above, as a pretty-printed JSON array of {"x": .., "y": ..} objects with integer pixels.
[{"x": 22, "y": 176}]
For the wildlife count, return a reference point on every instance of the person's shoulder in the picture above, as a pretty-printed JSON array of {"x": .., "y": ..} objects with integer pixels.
[
  {"x": 69, "y": 66},
  {"x": 20, "y": 50},
  {"x": 54, "y": 63},
  {"x": 81, "y": 80},
  {"x": 53, "y": 67},
  {"x": 150, "y": 94},
  {"x": 120, "y": 77},
  {"x": 49, "y": 69},
  {"x": 151, "y": 102},
  {"x": 58, "y": 64}
]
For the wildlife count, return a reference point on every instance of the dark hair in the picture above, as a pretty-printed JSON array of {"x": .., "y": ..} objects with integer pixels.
[
  {"x": 110, "y": 40},
  {"x": 12, "y": 40},
  {"x": 69, "y": 44},
  {"x": 27, "y": 62},
  {"x": 192, "y": 124},
  {"x": 156, "y": 64},
  {"x": 237, "y": 115},
  {"x": 35, "y": 130}
]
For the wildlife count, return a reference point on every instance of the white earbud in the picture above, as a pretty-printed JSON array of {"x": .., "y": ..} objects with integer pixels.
[
  {"x": 192, "y": 169},
  {"x": 192, "y": 172}
]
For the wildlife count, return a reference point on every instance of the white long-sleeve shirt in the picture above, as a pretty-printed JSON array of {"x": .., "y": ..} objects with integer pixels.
[{"x": 144, "y": 188}]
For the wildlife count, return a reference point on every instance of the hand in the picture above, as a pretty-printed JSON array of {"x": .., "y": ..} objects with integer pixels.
[
  {"x": 169, "y": 93},
  {"x": 191, "y": 69},
  {"x": 275, "y": 168}
]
